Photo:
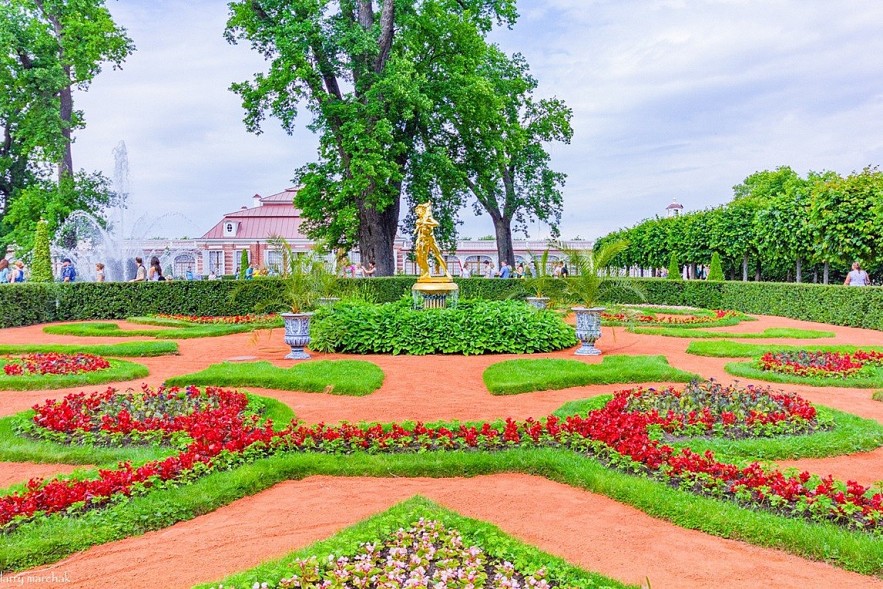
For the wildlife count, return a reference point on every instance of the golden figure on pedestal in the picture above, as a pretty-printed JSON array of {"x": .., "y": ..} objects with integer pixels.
[
  {"x": 426, "y": 246},
  {"x": 431, "y": 292}
]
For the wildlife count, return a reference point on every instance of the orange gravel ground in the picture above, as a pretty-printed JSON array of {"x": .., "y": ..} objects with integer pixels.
[{"x": 589, "y": 530}]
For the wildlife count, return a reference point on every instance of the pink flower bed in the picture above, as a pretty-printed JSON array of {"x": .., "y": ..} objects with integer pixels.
[
  {"x": 231, "y": 319},
  {"x": 669, "y": 319},
  {"x": 223, "y": 434}
]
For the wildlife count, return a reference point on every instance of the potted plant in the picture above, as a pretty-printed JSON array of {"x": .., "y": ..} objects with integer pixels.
[
  {"x": 586, "y": 285},
  {"x": 538, "y": 281},
  {"x": 304, "y": 280}
]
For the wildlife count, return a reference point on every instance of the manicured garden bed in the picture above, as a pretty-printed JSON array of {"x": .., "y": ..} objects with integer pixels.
[
  {"x": 453, "y": 550},
  {"x": 619, "y": 435}
]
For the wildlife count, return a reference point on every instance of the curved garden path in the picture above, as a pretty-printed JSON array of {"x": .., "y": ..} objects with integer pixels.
[{"x": 586, "y": 529}]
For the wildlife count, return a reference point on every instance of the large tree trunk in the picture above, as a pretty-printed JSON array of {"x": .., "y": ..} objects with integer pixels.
[
  {"x": 744, "y": 267},
  {"x": 503, "y": 231},
  {"x": 377, "y": 231},
  {"x": 66, "y": 165},
  {"x": 799, "y": 270},
  {"x": 757, "y": 270},
  {"x": 825, "y": 270}
]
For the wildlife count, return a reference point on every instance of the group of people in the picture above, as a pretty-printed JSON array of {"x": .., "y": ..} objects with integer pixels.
[
  {"x": 559, "y": 270},
  {"x": 357, "y": 270},
  {"x": 152, "y": 274},
  {"x": 11, "y": 273}
]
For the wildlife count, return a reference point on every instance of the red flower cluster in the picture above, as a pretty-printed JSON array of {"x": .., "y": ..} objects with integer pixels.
[
  {"x": 669, "y": 319},
  {"x": 824, "y": 364},
  {"x": 222, "y": 434},
  {"x": 233, "y": 319},
  {"x": 55, "y": 363}
]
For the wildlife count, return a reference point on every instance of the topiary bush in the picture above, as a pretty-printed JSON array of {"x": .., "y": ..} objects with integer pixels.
[
  {"x": 41, "y": 265},
  {"x": 674, "y": 269},
  {"x": 715, "y": 271},
  {"x": 473, "y": 327}
]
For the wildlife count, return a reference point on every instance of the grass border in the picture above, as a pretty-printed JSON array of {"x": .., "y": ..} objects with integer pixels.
[
  {"x": 770, "y": 332},
  {"x": 124, "y": 349}
]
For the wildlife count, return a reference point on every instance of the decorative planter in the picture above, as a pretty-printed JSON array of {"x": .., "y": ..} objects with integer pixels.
[
  {"x": 538, "y": 302},
  {"x": 588, "y": 329},
  {"x": 297, "y": 334}
]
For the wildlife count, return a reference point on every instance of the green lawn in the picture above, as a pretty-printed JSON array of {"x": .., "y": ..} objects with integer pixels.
[
  {"x": 512, "y": 377},
  {"x": 746, "y": 350},
  {"x": 336, "y": 377}
]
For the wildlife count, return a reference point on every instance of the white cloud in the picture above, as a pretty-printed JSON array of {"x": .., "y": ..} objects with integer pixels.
[{"x": 671, "y": 99}]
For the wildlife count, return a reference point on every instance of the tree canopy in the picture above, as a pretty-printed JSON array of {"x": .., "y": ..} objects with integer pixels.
[{"x": 375, "y": 78}]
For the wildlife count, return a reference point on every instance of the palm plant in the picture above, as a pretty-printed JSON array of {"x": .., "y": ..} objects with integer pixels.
[
  {"x": 590, "y": 283},
  {"x": 539, "y": 279}
]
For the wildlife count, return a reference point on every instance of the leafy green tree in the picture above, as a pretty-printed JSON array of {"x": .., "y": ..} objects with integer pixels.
[
  {"x": 498, "y": 146},
  {"x": 47, "y": 48},
  {"x": 41, "y": 264},
  {"x": 783, "y": 230},
  {"x": 373, "y": 76},
  {"x": 715, "y": 271},
  {"x": 73, "y": 39},
  {"x": 845, "y": 217}
]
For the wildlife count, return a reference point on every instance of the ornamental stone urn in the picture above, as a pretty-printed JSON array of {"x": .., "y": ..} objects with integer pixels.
[
  {"x": 538, "y": 302},
  {"x": 588, "y": 329},
  {"x": 297, "y": 334}
]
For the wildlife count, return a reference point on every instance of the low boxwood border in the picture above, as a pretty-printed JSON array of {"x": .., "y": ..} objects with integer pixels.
[
  {"x": 494, "y": 541},
  {"x": 873, "y": 379},
  {"x": 771, "y": 332},
  {"x": 103, "y": 329}
]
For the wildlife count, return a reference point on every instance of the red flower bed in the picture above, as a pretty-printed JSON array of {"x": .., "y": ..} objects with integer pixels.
[
  {"x": 232, "y": 319},
  {"x": 222, "y": 434},
  {"x": 669, "y": 319},
  {"x": 823, "y": 364},
  {"x": 55, "y": 363}
]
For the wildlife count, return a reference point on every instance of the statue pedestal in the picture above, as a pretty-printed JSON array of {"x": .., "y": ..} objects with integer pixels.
[{"x": 434, "y": 295}]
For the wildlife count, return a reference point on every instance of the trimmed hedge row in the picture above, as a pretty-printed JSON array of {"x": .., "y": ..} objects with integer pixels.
[{"x": 27, "y": 304}]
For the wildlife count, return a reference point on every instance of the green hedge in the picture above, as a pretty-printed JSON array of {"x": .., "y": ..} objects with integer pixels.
[{"x": 26, "y": 304}]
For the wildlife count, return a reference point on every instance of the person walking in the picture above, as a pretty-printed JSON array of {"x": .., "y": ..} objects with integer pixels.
[
  {"x": 99, "y": 272},
  {"x": 140, "y": 271},
  {"x": 505, "y": 269},
  {"x": 857, "y": 277},
  {"x": 4, "y": 271}
]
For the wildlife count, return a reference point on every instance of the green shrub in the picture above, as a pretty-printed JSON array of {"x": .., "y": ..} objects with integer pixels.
[
  {"x": 715, "y": 271},
  {"x": 674, "y": 269},
  {"x": 41, "y": 265},
  {"x": 473, "y": 327}
]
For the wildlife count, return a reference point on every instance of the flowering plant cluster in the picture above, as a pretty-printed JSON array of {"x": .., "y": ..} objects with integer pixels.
[
  {"x": 54, "y": 363},
  {"x": 231, "y": 319},
  {"x": 669, "y": 319},
  {"x": 710, "y": 408},
  {"x": 426, "y": 555},
  {"x": 824, "y": 364},
  {"x": 223, "y": 434}
]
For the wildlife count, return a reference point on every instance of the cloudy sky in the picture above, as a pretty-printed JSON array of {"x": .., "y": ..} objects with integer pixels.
[{"x": 671, "y": 99}]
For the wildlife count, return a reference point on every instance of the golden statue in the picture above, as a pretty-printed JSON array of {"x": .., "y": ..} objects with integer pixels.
[{"x": 426, "y": 246}]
